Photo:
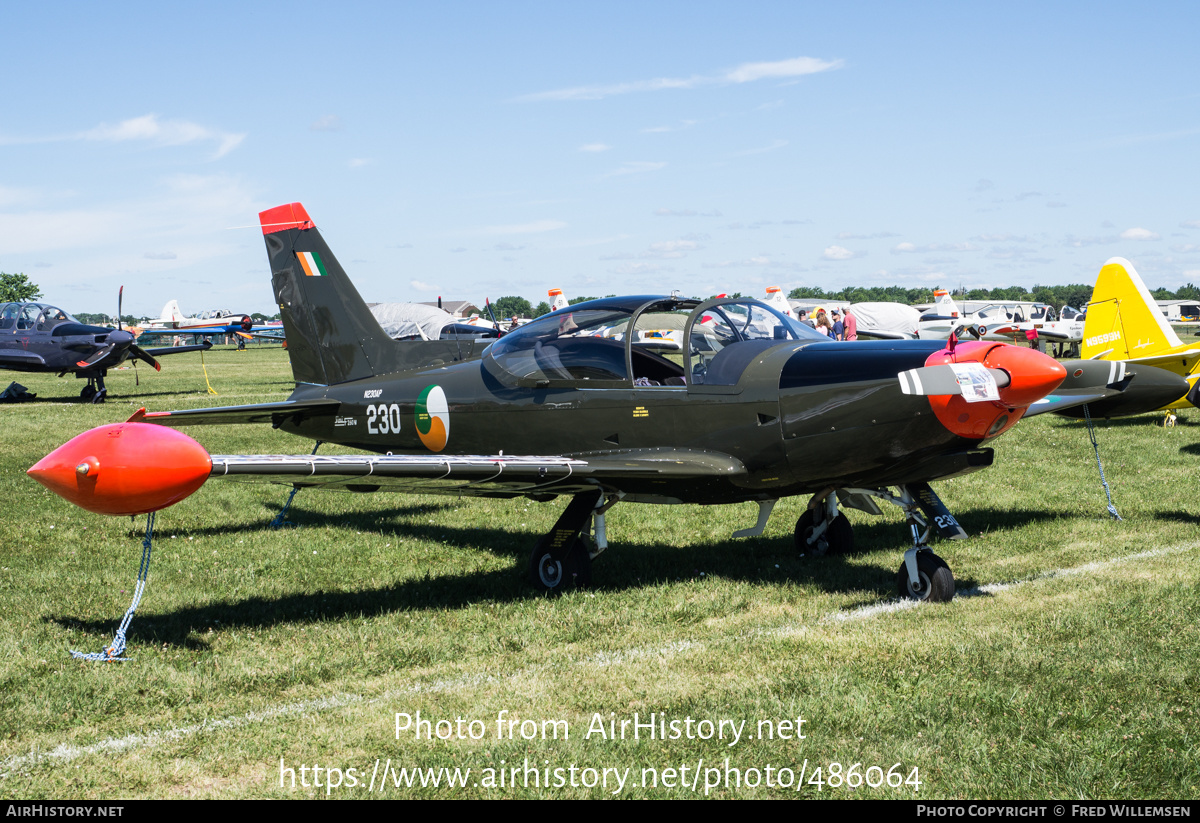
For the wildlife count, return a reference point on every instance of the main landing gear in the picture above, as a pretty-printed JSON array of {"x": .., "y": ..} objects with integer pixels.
[
  {"x": 823, "y": 530},
  {"x": 94, "y": 391},
  {"x": 562, "y": 559}
]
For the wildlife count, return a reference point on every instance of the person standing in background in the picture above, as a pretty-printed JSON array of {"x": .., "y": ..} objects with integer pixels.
[{"x": 850, "y": 323}]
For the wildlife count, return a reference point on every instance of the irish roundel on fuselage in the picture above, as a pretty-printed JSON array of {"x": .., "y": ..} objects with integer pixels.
[{"x": 433, "y": 418}]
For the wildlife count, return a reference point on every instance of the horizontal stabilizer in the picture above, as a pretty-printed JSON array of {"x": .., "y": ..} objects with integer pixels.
[
  {"x": 1181, "y": 362},
  {"x": 272, "y": 413}
]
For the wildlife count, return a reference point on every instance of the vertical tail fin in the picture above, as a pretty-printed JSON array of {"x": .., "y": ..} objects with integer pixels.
[
  {"x": 332, "y": 335},
  {"x": 171, "y": 312},
  {"x": 776, "y": 299},
  {"x": 557, "y": 301},
  {"x": 1123, "y": 321}
]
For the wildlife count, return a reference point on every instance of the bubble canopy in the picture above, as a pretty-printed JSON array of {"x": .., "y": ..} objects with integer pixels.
[{"x": 644, "y": 341}]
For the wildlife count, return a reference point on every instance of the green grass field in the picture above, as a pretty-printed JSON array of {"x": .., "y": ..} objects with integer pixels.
[{"x": 281, "y": 663}]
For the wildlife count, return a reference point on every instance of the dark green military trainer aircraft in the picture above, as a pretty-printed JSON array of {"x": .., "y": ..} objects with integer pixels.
[{"x": 650, "y": 399}]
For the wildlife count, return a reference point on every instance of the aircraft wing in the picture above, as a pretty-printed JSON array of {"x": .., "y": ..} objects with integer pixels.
[
  {"x": 159, "y": 352},
  {"x": 149, "y": 467},
  {"x": 20, "y": 359},
  {"x": 475, "y": 475}
]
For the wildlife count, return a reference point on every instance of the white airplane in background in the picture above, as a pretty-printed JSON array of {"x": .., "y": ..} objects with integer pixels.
[
  {"x": 220, "y": 321},
  {"x": 993, "y": 322}
]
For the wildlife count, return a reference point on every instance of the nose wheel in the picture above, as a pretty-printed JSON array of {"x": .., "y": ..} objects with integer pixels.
[{"x": 935, "y": 581}]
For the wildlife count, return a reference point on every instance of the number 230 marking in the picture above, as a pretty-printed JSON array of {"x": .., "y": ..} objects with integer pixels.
[{"x": 383, "y": 419}]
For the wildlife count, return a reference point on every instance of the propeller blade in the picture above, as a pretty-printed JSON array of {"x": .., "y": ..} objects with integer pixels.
[
  {"x": 120, "y": 297},
  {"x": 957, "y": 378},
  {"x": 97, "y": 357},
  {"x": 140, "y": 354}
]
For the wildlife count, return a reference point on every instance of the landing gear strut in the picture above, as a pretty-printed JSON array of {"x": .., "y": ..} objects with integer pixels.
[
  {"x": 822, "y": 529},
  {"x": 562, "y": 559},
  {"x": 923, "y": 575},
  {"x": 94, "y": 391}
]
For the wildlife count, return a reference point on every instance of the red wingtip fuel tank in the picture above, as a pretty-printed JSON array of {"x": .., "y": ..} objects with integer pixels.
[
  {"x": 125, "y": 468},
  {"x": 1032, "y": 376}
]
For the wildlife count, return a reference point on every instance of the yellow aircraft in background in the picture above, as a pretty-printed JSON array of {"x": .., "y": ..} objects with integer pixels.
[{"x": 1124, "y": 323}]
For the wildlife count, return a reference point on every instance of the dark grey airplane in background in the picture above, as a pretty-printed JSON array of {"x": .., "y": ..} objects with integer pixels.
[{"x": 38, "y": 337}]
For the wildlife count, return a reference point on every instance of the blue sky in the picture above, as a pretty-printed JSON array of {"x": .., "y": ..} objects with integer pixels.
[{"x": 476, "y": 150}]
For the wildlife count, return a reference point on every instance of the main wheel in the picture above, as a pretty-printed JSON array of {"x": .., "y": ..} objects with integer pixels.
[
  {"x": 838, "y": 538},
  {"x": 573, "y": 572},
  {"x": 936, "y": 580},
  {"x": 89, "y": 391}
]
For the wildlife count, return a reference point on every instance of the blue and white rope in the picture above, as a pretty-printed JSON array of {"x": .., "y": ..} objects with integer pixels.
[{"x": 117, "y": 647}]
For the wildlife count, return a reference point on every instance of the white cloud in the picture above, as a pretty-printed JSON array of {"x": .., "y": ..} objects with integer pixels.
[
  {"x": 420, "y": 285},
  {"x": 1190, "y": 224},
  {"x": 536, "y": 227},
  {"x": 159, "y": 255},
  {"x": 163, "y": 133},
  {"x": 595, "y": 147},
  {"x": 11, "y": 196},
  {"x": 745, "y": 73},
  {"x": 674, "y": 246},
  {"x": 183, "y": 208},
  {"x": 359, "y": 162},
  {"x": 1139, "y": 234},
  {"x": 328, "y": 122},
  {"x": 838, "y": 253},
  {"x": 795, "y": 67}
]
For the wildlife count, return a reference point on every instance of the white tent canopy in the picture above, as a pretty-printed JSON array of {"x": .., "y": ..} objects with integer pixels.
[
  {"x": 401, "y": 320},
  {"x": 886, "y": 319}
]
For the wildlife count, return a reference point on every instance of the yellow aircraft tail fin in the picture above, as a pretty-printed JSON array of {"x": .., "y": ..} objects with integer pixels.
[{"x": 1123, "y": 322}]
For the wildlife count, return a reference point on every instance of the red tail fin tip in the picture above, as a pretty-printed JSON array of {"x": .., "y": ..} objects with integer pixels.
[{"x": 282, "y": 218}]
